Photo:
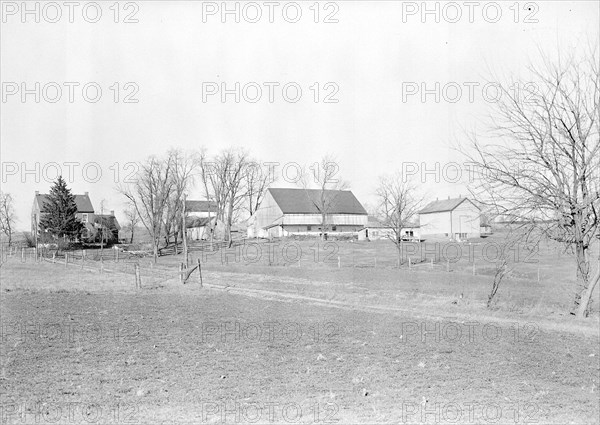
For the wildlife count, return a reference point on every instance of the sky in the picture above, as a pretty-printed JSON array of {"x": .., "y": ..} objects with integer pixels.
[{"x": 162, "y": 66}]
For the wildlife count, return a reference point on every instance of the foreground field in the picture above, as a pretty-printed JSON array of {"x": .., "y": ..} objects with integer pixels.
[{"x": 258, "y": 347}]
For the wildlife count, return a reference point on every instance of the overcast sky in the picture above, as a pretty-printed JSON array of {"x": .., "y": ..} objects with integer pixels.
[{"x": 172, "y": 57}]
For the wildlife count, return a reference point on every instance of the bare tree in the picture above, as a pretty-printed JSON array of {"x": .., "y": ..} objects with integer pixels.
[
  {"x": 322, "y": 186},
  {"x": 256, "y": 182},
  {"x": 150, "y": 194},
  {"x": 224, "y": 180},
  {"x": 7, "y": 215},
  {"x": 132, "y": 220},
  {"x": 183, "y": 167},
  {"x": 541, "y": 167},
  {"x": 398, "y": 205}
]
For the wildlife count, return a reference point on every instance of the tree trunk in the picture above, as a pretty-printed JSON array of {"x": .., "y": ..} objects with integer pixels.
[
  {"x": 131, "y": 239},
  {"x": 228, "y": 222},
  {"x": 156, "y": 250},
  {"x": 585, "y": 304},
  {"x": 583, "y": 271}
]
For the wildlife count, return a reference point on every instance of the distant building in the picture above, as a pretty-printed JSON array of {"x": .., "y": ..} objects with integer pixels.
[
  {"x": 376, "y": 230},
  {"x": 201, "y": 228},
  {"x": 93, "y": 223},
  {"x": 457, "y": 219},
  {"x": 201, "y": 221},
  {"x": 285, "y": 212}
]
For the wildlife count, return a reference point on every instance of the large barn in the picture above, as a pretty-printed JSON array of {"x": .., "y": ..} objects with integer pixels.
[
  {"x": 285, "y": 212},
  {"x": 457, "y": 219}
]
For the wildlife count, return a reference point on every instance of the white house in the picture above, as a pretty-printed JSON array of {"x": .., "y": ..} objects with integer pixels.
[
  {"x": 285, "y": 212},
  {"x": 457, "y": 219}
]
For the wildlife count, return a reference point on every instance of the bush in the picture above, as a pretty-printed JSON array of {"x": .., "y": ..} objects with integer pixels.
[{"x": 29, "y": 239}]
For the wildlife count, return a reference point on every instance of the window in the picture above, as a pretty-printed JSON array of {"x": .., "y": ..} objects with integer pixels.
[
  {"x": 333, "y": 228},
  {"x": 84, "y": 218},
  {"x": 308, "y": 228}
]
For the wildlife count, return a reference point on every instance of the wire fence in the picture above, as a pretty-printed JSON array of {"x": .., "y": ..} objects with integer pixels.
[{"x": 278, "y": 253}]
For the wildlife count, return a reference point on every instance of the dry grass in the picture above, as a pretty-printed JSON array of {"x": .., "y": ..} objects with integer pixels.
[{"x": 76, "y": 339}]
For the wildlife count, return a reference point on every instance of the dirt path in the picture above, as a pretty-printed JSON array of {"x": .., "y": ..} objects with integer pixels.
[{"x": 243, "y": 284}]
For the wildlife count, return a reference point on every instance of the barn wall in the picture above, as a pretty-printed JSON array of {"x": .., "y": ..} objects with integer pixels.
[
  {"x": 435, "y": 224},
  {"x": 332, "y": 220},
  {"x": 466, "y": 219},
  {"x": 268, "y": 212}
]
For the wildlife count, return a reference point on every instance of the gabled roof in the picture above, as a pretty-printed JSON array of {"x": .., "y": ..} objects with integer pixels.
[
  {"x": 192, "y": 222},
  {"x": 200, "y": 206},
  {"x": 444, "y": 205},
  {"x": 83, "y": 202},
  {"x": 302, "y": 201}
]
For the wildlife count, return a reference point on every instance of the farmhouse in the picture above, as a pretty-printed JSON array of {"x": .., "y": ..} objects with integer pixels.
[
  {"x": 95, "y": 225},
  {"x": 457, "y": 218},
  {"x": 285, "y": 212}
]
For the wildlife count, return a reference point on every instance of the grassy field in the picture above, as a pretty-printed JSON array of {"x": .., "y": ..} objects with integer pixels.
[{"x": 295, "y": 342}]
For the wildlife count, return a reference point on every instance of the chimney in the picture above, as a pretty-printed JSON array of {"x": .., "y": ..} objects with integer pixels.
[
  {"x": 37, "y": 192},
  {"x": 112, "y": 212},
  {"x": 86, "y": 193}
]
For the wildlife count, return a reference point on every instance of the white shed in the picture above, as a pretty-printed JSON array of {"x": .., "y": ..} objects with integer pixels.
[{"x": 457, "y": 219}]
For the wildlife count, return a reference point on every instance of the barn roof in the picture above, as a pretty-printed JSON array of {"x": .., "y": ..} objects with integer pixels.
[
  {"x": 83, "y": 202},
  {"x": 444, "y": 205},
  {"x": 302, "y": 201},
  {"x": 200, "y": 206}
]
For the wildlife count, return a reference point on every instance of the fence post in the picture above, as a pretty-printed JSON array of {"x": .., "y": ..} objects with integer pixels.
[
  {"x": 66, "y": 259},
  {"x": 22, "y": 255},
  {"x": 138, "y": 278},
  {"x": 54, "y": 258},
  {"x": 339, "y": 262},
  {"x": 200, "y": 272}
]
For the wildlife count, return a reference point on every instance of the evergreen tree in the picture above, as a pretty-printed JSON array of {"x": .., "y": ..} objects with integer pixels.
[{"x": 60, "y": 209}]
